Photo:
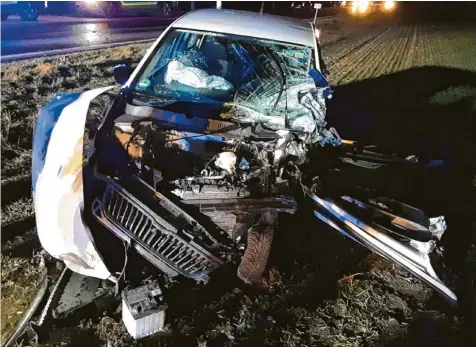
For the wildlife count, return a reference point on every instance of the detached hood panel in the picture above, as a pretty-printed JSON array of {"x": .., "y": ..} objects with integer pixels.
[{"x": 57, "y": 183}]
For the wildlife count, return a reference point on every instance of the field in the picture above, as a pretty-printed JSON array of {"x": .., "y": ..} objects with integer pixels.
[{"x": 319, "y": 289}]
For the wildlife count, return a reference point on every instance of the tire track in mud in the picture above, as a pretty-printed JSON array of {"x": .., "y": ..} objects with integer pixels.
[
  {"x": 380, "y": 58},
  {"x": 430, "y": 44},
  {"x": 17, "y": 217},
  {"x": 412, "y": 49},
  {"x": 21, "y": 245},
  {"x": 391, "y": 51},
  {"x": 328, "y": 49},
  {"x": 16, "y": 188},
  {"x": 400, "y": 49},
  {"x": 344, "y": 67}
]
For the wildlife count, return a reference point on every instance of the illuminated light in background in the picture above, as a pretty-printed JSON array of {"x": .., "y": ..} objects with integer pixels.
[
  {"x": 360, "y": 6},
  {"x": 90, "y": 3},
  {"x": 389, "y": 5},
  {"x": 363, "y": 6}
]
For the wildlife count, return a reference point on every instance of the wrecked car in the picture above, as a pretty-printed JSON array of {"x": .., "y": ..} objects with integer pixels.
[{"x": 219, "y": 129}]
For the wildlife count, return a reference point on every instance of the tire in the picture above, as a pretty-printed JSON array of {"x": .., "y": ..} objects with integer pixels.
[
  {"x": 164, "y": 9},
  {"x": 255, "y": 258},
  {"x": 29, "y": 12}
]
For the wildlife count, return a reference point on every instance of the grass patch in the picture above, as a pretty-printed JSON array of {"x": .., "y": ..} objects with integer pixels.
[
  {"x": 28, "y": 85},
  {"x": 17, "y": 210},
  {"x": 455, "y": 94},
  {"x": 20, "y": 280}
]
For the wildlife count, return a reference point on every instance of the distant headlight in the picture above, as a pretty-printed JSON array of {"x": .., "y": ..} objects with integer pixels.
[
  {"x": 90, "y": 3},
  {"x": 389, "y": 5},
  {"x": 363, "y": 6},
  {"x": 360, "y": 6}
]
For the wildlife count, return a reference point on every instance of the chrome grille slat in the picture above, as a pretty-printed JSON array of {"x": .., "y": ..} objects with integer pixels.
[
  {"x": 151, "y": 238},
  {"x": 190, "y": 266},
  {"x": 130, "y": 218},
  {"x": 142, "y": 217},
  {"x": 182, "y": 250},
  {"x": 159, "y": 242},
  {"x": 192, "y": 258},
  {"x": 156, "y": 235},
  {"x": 113, "y": 203},
  {"x": 169, "y": 245},
  {"x": 182, "y": 261},
  {"x": 163, "y": 244},
  {"x": 143, "y": 228},
  {"x": 176, "y": 250},
  {"x": 121, "y": 202},
  {"x": 125, "y": 212}
]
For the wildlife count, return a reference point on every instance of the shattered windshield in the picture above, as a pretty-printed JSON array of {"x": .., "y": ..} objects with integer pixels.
[{"x": 237, "y": 78}]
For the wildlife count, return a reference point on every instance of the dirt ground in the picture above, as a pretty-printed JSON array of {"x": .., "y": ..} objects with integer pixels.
[{"x": 319, "y": 289}]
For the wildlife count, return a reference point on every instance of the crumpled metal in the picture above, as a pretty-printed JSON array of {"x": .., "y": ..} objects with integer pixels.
[{"x": 314, "y": 101}]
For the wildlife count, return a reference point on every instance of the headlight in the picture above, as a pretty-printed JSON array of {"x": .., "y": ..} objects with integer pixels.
[
  {"x": 389, "y": 5},
  {"x": 363, "y": 6},
  {"x": 360, "y": 6},
  {"x": 90, "y": 3}
]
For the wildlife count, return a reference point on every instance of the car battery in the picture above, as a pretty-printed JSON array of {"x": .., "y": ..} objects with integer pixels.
[{"x": 143, "y": 310}]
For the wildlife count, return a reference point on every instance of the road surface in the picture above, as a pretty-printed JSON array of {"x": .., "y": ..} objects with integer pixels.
[{"x": 52, "y": 33}]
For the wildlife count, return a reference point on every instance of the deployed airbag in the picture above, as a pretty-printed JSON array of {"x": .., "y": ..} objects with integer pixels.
[{"x": 194, "y": 77}]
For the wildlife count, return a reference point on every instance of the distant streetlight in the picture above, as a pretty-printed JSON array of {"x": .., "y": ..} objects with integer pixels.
[{"x": 219, "y": 5}]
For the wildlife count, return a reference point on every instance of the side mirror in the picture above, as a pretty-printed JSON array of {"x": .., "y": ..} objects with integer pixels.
[
  {"x": 319, "y": 79},
  {"x": 122, "y": 73}
]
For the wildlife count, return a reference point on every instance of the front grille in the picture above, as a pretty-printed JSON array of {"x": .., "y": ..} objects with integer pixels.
[{"x": 118, "y": 209}]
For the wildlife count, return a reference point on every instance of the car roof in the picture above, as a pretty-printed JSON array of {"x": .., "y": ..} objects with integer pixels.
[{"x": 251, "y": 24}]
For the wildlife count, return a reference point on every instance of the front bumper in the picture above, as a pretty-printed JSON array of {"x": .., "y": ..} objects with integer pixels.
[{"x": 151, "y": 235}]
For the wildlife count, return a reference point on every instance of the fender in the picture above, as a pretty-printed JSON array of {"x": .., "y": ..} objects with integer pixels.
[{"x": 57, "y": 183}]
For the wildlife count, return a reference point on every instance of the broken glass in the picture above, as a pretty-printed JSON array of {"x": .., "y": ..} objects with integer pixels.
[{"x": 255, "y": 80}]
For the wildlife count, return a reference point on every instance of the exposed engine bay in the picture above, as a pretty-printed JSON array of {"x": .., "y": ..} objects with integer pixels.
[
  {"x": 227, "y": 168},
  {"x": 224, "y": 174}
]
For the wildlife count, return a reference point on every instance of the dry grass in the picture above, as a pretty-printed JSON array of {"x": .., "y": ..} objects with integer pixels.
[
  {"x": 384, "y": 50},
  {"x": 45, "y": 69},
  {"x": 19, "y": 281},
  {"x": 17, "y": 210}
]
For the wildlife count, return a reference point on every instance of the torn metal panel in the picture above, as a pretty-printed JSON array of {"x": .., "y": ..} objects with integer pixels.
[
  {"x": 414, "y": 258},
  {"x": 58, "y": 183}
]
